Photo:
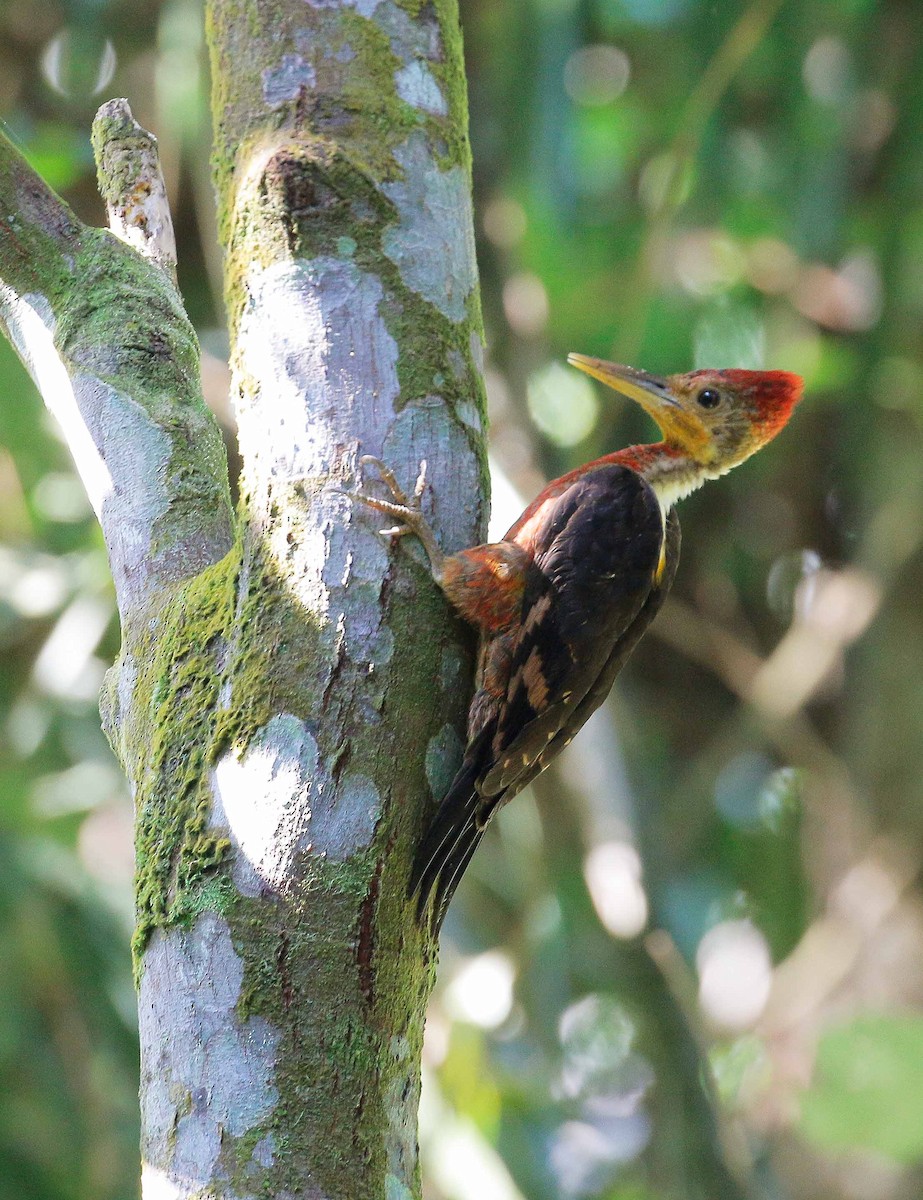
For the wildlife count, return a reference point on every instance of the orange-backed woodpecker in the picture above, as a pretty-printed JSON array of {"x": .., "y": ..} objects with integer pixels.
[{"x": 564, "y": 598}]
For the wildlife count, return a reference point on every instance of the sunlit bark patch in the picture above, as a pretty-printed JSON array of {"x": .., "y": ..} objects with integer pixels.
[{"x": 206, "y": 1076}]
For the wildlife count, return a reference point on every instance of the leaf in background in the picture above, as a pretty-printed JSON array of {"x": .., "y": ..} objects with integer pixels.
[
  {"x": 867, "y": 1087},
  {"x": 60, "y": 154}
]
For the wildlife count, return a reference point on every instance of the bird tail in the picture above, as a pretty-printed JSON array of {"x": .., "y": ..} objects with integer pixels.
[{"x": 450, "y": 841}]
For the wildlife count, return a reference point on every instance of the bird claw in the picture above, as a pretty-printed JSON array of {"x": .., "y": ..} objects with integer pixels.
[
  {"x": 388, "y": 478},
  {"x": 406, "y": 510},
  {"x": 396, "y": 531},
  {"x": 409, "y": 510}
]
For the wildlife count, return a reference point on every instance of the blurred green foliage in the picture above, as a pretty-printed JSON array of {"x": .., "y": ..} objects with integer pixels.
[
  {"x": 724, "y": 868},
  {"x": 869, "y": 1078}
]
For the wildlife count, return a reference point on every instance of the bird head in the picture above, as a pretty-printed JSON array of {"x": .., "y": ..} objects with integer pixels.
[{"x": 716, "y": 418}]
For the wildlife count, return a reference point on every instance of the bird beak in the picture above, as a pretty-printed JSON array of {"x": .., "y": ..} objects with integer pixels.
[{"x": 649, "y": 391}]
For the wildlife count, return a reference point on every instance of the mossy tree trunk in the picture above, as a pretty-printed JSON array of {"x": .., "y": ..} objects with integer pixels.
[{"x": 290, "y": 693}]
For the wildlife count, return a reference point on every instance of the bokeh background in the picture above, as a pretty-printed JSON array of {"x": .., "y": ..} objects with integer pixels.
[{"x": 704, "y": 928}]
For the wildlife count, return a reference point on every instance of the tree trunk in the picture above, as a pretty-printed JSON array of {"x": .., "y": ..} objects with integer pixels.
[{"x": 290, "y": 693}]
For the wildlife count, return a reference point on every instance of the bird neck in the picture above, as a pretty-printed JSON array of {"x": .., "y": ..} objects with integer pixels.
[{"x": 671, "y": 472}]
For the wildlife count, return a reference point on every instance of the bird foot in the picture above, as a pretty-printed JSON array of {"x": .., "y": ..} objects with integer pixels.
[{"x": 407, "y": 510}]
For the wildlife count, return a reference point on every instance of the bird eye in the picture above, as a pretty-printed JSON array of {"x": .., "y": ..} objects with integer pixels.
[{"x": 709, "y": 398}]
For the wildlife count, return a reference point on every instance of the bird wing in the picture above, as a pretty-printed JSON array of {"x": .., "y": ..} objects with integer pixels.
[
  {"x": 602, "y": 685},
  {"x": 589, "y": 596},
  {"x": 592, "y": 574},
  {"x": 623, "y": 647}
]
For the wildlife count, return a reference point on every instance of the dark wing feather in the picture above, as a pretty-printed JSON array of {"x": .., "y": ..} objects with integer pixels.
[
  {"x": 620, "y": 654},
  {"x": 597, "y": 557},
  {"x": 622, "y": 648},
  {"x": 589, "y": 597}
]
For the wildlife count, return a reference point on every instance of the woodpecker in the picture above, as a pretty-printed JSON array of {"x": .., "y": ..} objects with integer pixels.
[{"x": 564, "y": 598}]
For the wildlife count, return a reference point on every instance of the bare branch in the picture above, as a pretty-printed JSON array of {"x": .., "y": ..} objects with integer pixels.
[{"x": 131, "y": 183}]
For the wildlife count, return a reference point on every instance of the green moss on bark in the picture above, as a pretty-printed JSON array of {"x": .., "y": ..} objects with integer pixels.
[
  {"x": 226, "y": 651},
  {"x": 174, "y": 711}
]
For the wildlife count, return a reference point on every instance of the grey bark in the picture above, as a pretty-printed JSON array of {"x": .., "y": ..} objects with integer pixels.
[{"x": 290, "y": 694}]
